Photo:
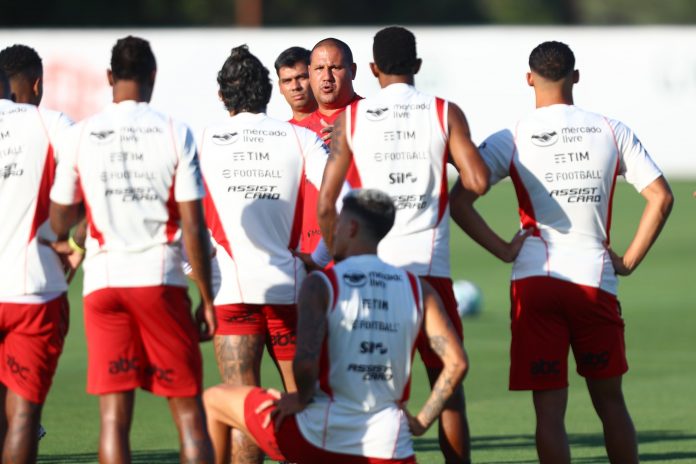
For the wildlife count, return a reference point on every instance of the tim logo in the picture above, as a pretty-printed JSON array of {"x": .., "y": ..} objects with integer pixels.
[
  {"x": 544, "y": 367},
  {"x": 354, "y": 279},
  {"x": 101, "y": 137},
  {"x": 377, "y": 114},
  {"x": 16, "y": 368},
  {"x": 545, "y": 139},
  {"x": 225, "y": 138}
]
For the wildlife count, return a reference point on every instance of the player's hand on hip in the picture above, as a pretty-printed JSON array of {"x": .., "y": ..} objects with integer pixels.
[
  {"x": 69, "y": 256},
  {"x": 307, "y": 260},
  {"x": 206, "y": 320},
  {"x": 515, "y": 245},
  {"x": 414, "y": 425},
  {"x": 617, "y": 261}
]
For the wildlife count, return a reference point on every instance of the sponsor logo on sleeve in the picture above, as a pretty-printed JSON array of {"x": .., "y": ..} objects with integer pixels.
[{"x": 355, "y": 279}]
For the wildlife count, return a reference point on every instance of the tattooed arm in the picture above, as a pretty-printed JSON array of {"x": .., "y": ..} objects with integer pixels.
[
  {"x": 446, "y": 344},
  {"x": 333, "y": 179},
  {"x": 311, "y": 329}
]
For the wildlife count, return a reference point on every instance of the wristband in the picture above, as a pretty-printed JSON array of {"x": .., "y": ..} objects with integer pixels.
[{"x": 75, "y": 247}]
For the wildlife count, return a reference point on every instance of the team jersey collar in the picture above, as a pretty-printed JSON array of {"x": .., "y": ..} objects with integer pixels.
[
  {"x": 398, "y": 87},
  {"x": 6, "y": 102},
  {"x": 127, "y": 106},
  {"x": 246, "y": 117}
]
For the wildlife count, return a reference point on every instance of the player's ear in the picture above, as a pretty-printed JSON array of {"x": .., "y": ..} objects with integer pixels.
[
  {"x": 37, "y": 86},
  {"x": 353, "y": 228},
  {"x": 220, "y": 95},
  {"x": 153, "y": 75},
  {"x": 576, "y": 76},
  {"x": 374, "y": 69},
  {"x": 530, "y": 79},
  {"x": 417, "y": 67},
  {"x": 353, "y": 69},
  {"x": 110, "y": 77}
]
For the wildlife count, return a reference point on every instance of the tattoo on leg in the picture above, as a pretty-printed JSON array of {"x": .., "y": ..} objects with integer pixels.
[{"x": 239, "y": 358}]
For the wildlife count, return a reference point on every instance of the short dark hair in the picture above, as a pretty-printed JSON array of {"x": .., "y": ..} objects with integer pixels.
[
  {"x": 374, "y": 208},
  {"x": 292, "y": 56},
  {"x": 244, "y": 82},
  {"x": 21, "y": 60},
  {"x": 552, "y": 60},
  {"x": 394, "y": 51},
  {"x": 132, "y": 59},
  {"x": 341, "y": 45},
  {"x": 4, "y": 85}
]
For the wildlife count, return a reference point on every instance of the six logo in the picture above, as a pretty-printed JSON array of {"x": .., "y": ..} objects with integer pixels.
[
  {"x": 544, "y": 367},
  {"x": 123, "y": 365},
  {"x": 402, "y": 178},
  {"x": 372, "y": 347},
  {"x": 225, "y": 138},
  {"x": 545, "y": 139}
]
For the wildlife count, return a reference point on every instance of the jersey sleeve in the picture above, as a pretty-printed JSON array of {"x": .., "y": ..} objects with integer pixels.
[
  {"x": 635, "y": 163},
  {"x": 497, "y": 151},
  {"x": 65, "y": 190},
  {"x": 188, "y": 181},
  {"x": 316, "y": 154}
]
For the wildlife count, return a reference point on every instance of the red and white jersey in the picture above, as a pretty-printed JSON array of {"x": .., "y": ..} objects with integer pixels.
[
  {"x": 28, "y": 269},
  {"x": 564, "y": 162},
  {"x": 373, "y": 320},
  {"x": 256, "y": 170},
  {"x": 399, "y": 143},
  {"x": 311, "y": 233},
  {"x": 130, "y": 165}
]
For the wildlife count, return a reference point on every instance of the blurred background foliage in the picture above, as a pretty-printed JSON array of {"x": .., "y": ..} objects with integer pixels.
[{"x": 85, "y": 13}]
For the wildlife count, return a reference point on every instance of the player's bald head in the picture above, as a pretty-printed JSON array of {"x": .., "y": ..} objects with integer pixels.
[
  {"x": 552, "y": 60},
  {"x": 343, "y": 47}
]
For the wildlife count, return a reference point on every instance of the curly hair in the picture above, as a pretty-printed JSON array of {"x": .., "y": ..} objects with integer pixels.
[
  {"x": 4, "y": 85},
  {"x": 21, "y": 60},
  {"x": 244, "y": 82},
  {"x": 552, "y": 60},
  {"x": 394, "y": 51}
]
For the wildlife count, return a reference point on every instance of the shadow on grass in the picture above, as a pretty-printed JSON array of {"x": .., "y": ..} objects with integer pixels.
[
  {"x": 577, "y": 440},
  {"x": 138, "y": 457}
]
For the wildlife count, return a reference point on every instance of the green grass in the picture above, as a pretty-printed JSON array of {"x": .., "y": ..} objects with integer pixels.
[{"x": 659, "y": 307}]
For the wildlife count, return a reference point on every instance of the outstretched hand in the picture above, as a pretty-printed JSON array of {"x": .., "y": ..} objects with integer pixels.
[{"x": 326, "y": 131}]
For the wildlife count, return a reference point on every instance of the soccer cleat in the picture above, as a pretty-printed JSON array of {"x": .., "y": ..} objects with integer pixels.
[{"x": 42, "y": 432}]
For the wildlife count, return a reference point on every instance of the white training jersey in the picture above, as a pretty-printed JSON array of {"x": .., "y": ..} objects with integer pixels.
[
  {"x": 255, "y": 169},
  {"x": 130, "y": 165},
  {"x": 399, "y": 143},
  {"x": 564, "y": 162},
  {"x": 365, "y": 370},
  {"x": 30, "y": 272}
]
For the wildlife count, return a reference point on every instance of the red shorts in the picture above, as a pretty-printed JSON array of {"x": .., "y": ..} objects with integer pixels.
[
  {"x": 142, "y": 337},
  {"x": 288, "y": 444},
  {"x": 277, "y": 322},
  {"x": 443, "y": 287},
  {"x": 549, "y": 316},
  {"x": 32, "y": 338}
]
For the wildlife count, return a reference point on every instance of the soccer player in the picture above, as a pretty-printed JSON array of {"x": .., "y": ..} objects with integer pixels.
[
  {"x": 564, "y": 162},
  {"x": 400, "y": 140},
  {"x": 331, "y": 74},
  {"x": 136, "y": 171},
  {"x": 358, "y": 324},
  {"x": 292, "y": 68},
  {"x": 33, "y": 305},
  {"x": 255, "y": 169}
]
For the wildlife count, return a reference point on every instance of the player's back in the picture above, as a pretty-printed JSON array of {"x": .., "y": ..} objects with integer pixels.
[
  {"x": 399, "y": 141},
  {"x": 372, "y": 324},
  {"x": 27, "y": 166},
  {"x": 255, "y": 169},
  {"x": 134, "y": 164},
  {"x": 564, "y": 162}
]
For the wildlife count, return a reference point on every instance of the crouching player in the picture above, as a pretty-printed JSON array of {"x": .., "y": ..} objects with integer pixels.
[{"x": 357, "y": 329}]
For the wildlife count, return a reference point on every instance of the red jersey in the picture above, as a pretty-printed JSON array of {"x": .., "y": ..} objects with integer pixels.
[{"x": 311, "y": 233}]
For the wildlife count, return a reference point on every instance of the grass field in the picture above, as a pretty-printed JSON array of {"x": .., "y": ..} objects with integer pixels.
[{"x": 659, "y": 307}]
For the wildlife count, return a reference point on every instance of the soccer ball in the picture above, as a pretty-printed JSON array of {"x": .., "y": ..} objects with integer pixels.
[{"x": 469, "y": 298}]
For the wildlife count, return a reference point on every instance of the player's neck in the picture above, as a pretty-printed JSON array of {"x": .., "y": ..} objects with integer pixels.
[
  {"x": 389, "y": 79},
  {"x": 550, "y": 97},
  {"x": 326, "y": 111},
  {"x": 124, "y": 90}
]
